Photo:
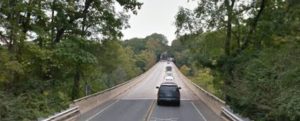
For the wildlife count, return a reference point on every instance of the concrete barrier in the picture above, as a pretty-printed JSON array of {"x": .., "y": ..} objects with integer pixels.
[
  {"x": 89, "y": 102},
  {"x": 84, "y": 104},
  {"x": 209, "y": 99},
  {"x": 217, "y": 105}
]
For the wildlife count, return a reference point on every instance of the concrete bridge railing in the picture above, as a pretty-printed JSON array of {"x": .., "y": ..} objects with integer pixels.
[{"x": 87, "y": 103}]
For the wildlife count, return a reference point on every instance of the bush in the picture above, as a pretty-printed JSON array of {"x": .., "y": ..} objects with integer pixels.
[{"x": 267, "y": 86}]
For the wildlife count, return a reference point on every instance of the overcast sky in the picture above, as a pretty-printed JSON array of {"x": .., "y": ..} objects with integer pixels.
[{"x": 156, "y": 16}]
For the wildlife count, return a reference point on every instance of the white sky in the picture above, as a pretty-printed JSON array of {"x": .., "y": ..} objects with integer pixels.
[{"x": 156, "y": 16}]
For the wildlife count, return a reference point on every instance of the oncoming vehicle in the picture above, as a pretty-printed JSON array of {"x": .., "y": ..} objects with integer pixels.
[{"x": 168, "y": 93}]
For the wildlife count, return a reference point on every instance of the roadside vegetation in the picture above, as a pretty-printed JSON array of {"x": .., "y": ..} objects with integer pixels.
[
  {"x": 246, "y": 53},
  {"x": 52, "y": 52}
]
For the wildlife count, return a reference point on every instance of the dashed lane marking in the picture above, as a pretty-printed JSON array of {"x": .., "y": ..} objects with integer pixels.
[
  {"x": 101, "y": 111},
  {"x": 199, "y": 112}
]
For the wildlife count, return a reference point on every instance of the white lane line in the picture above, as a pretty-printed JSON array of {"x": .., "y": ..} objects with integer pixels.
[
  {"x": 199, "y": 112},
  {"x": 101, "y": 111}
]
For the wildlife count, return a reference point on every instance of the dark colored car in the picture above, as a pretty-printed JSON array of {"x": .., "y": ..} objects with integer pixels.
[
  {"x": 168, "y": 68},
  {"x": 168, "y": 93}
]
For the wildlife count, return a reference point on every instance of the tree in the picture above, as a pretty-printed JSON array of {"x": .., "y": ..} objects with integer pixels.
[
  {"x": 217, "y": 15},
  {"x": 137, "y": 44},
  {"x": 186, "y": 22},
  {"x": 48, "y": 49},
  {"x": 147, "y": 58},
  {"x": 243, "y": 45},
  {"x": 148, "y": 49},
  {"x": 92, "y": 16},
  {"x": 77, "y": 57}
]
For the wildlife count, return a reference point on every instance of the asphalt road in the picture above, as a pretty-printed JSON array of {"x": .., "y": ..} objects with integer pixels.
[{"x": 139, "y": 103}]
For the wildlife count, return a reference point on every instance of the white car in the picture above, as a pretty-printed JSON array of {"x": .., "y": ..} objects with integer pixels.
[
  {"x": 169, "y": 78},
  {"x": 169, "y": 73}
]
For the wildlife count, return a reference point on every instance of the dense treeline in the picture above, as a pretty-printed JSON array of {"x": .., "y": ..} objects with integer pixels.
[
  {"x": 148, "y": 49},
  {"x": 245, "y": 52},
  {"x": 52, "y": 52}
]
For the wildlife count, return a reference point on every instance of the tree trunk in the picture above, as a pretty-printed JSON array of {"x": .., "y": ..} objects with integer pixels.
[
  {"x": 52, "y": 18},
  {"x": 76, "y": 84},
  {"x": 253, "y": 25},
  {"x": 228, "y": 66},
  {"x": 59, "y": 35},
  {"x": 61, "y": 31},
  {"x": 229, "y": 7}
]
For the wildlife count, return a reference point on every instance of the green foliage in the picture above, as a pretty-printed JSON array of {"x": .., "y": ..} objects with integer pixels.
[
  {"x": 10, "y": 105},
  {"x": 146, "y": 59},
  {"x": 186, "y": 22},
  {"x": 204, "y": 79},
  {"x": 75, "y": 51},
  {"x": 271, "y": 84},
  {"x": 128, "y": 62},
  {"x": 161, "y": 39},
  {"x": 50, "y": 51},
  {"x": 180, "y": 51},
  {"x": 258, "y": 76},
  {"x": 184, "y": 69},
  {"x": 136, "y": 44},
  {"x": 121, "y": 63},
  {"x": 208, "y": 45},
  {"x": 147, "y": 50}
]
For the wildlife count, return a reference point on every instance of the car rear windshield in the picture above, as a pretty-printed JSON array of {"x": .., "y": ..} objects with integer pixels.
[
  {"x": 169, "y": 68},
  {"x": 168, "y": 88},
  {"x": 168, "y": 91}
]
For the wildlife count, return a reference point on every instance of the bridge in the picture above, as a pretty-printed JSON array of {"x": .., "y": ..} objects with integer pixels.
[{"x": 135, "y": 100}]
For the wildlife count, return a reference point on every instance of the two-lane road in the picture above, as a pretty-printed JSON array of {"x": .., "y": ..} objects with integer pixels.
[{"x": 139, "y": 103}]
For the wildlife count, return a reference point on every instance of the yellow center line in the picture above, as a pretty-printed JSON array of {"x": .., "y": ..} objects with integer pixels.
[{"x": 150, "y": 111}]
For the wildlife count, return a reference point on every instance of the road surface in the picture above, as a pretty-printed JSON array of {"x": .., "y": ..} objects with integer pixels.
[{"x": 139, "y": 103}]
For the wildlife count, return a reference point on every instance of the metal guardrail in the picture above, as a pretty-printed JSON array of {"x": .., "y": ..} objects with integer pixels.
[
  {"x": 64, "y": 115},
  {"x": 230, "y": 115}
]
